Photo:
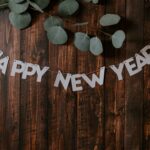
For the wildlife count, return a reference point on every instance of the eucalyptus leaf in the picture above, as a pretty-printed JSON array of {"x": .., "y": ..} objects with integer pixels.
[
  {"x": 20, "y": 21},
  {"x": 52, "y": 21},
  {"x": 19, "y": 1},
  {"x": 82, "y": 41},
  {"x": 87, "y": 1},
  {"x": 118, "y": 38},
  {"x": 18, "y": 7},
  {"x": 57, "y": 35},
  {"x": 42, "y": 3},
  {"x": 96, "y": 46},
  {"x": 110, "y": 19},
  {"x": 95, "y": 1},
  {"x": 68, "y": 7}
]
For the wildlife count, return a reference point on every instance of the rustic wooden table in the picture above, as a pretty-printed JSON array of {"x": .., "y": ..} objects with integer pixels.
[{"x": 115, "y": 116}]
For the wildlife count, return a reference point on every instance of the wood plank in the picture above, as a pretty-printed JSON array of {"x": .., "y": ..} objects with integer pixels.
[
  {"x": 10, "y": 87},
  {"x": 90, "y": 102},
  {"x": 114, "y": 89},
  {"x": 120, "y": 85},
  {"x": 34, "y": 96},
  {"x": 146, "y": 115},
  {"x": 38, "y": 116},
  {"x": 134, "y": 85},
  {"x": 62, "y": 103},
  {"x": 3, "y": 86}
]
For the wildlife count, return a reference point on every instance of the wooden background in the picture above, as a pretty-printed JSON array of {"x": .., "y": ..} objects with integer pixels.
[{"x": 115, "y": 116}]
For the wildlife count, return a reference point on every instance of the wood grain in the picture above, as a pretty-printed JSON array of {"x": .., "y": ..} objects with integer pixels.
[
  {"x": 38, "y": 116},
  {"x": 62, "y": 111},
  {"x": 90, "y": 127},
  {"x": 114, "y": 89},
  {"x": 10, "y": 88},
  {"x": 34, "y": 96},
  {"x": 134, "y": 85},
  {"x": 146, "y": 119}
]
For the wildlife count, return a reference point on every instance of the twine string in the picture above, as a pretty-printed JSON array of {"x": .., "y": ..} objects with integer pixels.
[{"x": 65, "y": 73}]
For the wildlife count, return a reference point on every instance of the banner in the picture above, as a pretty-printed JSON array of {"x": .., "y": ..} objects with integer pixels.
[{"x": 133, "y": 66}]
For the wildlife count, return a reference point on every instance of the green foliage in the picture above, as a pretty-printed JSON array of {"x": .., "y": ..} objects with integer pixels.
[
  {"x": 54, "y": 25},
  {"x": 18, "y": 1},
  {"x": 82, "y": 41},
  {"x": 42, "y": 3},
  {"x": 55, "y": 32},
  {"x": 65, "y": 8},
  {"x": 57, "y": 35},
  {"x": 18, "y": 7},
  {"x": 118, "y": 38},
  {"x": 68, "y": 7},
  {"x": 96, "y": 47},
  {"x": 109, "y": 20},
  {"x": 53, "y": 21},
  {"x": 95, "y": 1},
  {"x": 20, "y": 21},
  {"x": 19, "y": 17}
]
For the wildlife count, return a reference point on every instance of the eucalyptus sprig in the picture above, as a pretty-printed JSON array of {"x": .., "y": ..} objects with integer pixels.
[
  {"x": 54, "y": 25},
  {"x": 19, "y": 15},
  {"x": 84, "y": 42},
  {"x": 57, "y": 35}
]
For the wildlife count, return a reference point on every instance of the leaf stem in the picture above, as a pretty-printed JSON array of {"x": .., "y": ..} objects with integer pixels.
[
  {"x": 86, "y": 23},
  {"x": 81, "y": 24},
  {"x": 35, "y": 7},
  {"x": 105, "y": 33},
  {"x": 3, "y": 5}
]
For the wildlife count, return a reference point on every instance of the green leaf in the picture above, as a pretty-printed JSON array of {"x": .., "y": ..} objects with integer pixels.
[
  {"x": 110, "y": 19},
  {"x": 52, "y": 21},
  {"x": 82, "y": 41},
  {"x": 95, "y": 1},
  {"x": 18, "y": 1},
  {"x": 96, "y": 46},
  {"x": 42, "y": 3},
  {"x": 57, "y": 35},
  {"x": 68, "y": 7},
  {"x": 35, "y": 6},
  {"x": 20, "y": 21},
  {"x": 118, "y": 38},
  {"x": 18, "y": 8},
  {"x": 87, "y": 1}
]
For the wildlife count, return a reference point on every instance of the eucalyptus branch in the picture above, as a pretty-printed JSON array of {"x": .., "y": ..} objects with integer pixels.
[
  {"x": 86, "y": 23},
  {"x": 88, "y": 40}
]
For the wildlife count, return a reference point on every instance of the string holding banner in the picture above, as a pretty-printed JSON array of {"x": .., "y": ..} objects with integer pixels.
[{"x": 133, "y": 66}]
